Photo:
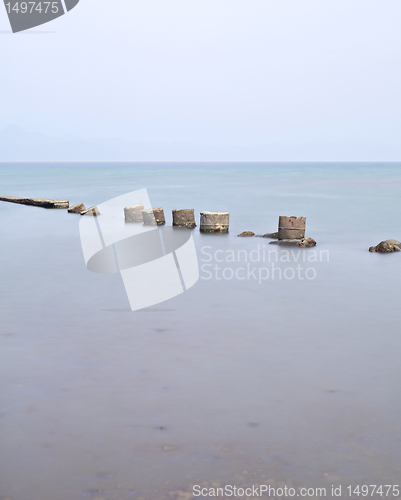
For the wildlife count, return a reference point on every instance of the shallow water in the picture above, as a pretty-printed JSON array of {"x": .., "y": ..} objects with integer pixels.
[{"x": 287, "y": 382}]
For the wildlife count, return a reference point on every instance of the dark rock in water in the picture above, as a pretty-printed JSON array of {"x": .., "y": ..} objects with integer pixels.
[
  {"x": 388, "y": 246},
  {"x": 303, "y": 243},
  {"x": 77, "y": 209},
  {"x": 394, "y": 242},
  {"x": 91, "y": 211},
  {"x": 307, "y": 242},
  {"x": 247, "y": 233},
  {"x": 37, "y": 202}
]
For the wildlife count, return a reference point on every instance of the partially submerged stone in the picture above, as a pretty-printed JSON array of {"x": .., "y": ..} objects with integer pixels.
[
  {"x": 286, "y": 242},
  {"x": 184, "y": 217},
  {"x": 290, "y": 242},
  {"x": 394, "y": 242},
  {"x": 214, "y": 222},
  {"x": 78, "y": 208},
  {"x": 93, "y": 211},
  {"x": 247, "y": 233},
  {"x": 153, "y": 217},
  {"x": 133, "y": 213},
  {"x": 388, "y": 246},
  {"x": 307, "y": 242},
  {"x": 37, "y": 202}
]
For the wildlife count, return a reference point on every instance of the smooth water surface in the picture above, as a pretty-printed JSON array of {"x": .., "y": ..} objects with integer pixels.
[{"x": 285, "y": 382}]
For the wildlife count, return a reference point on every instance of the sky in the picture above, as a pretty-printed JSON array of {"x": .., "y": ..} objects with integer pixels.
[{"x": 313, "y": 76}]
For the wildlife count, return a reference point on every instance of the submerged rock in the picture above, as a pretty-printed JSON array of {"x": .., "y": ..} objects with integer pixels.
[
  {"x": 303, "y": 243},
  {"x": 307, "y": 242},
  {"x": 394, "y": 242},
  {"x": 78, "y": 208},
  {"x": 91, "y": 211},
  {"x": 387, "y": 246},
  {"x": 37, "y": 202},
  {"x": 247, "y": 233}
]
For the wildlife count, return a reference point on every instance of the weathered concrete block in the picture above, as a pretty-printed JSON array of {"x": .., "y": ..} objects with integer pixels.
[
  {"x": 153, "y": 217},
  {"x": 290, "y": 234},
  {"x": 92, "y": 211},
  {"x": 184, "y": 217},
  {"x": 133, "y": 213},
  {"x": 291, "y": 227},
  {"x": 292, "y": 222},
  {"x": 78, "y": 208},
  {"x": 214, "y": 222}
]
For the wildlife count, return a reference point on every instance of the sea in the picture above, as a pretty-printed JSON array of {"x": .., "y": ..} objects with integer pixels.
[{"x": 279, "y": 368}]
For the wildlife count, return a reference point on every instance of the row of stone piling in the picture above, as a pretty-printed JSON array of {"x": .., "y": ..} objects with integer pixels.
[
  {"x": 210, "y": 222},
  {"x": 290, "y": 228}
]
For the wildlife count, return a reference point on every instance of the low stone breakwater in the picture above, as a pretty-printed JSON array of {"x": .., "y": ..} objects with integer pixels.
[{"x": 291, "y": 229}]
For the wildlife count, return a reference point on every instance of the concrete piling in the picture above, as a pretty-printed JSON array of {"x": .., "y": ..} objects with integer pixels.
[
  {"x": 291, "y": 228},
  {"x": 133, "y": 213},
  {"x": 184, "y": 217},
  {"x": 214, "y": 222},
  {"x": 153, "y": 217}
]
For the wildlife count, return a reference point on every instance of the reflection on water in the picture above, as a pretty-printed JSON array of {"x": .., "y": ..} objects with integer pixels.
[{"x": 286, "y": 382}]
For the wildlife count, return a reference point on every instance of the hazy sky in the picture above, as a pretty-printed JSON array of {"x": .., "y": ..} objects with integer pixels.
[{"x": 217, "y": 72}]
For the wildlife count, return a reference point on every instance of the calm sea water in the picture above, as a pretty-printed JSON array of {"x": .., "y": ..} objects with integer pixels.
[{"x": 284, "y": 382}]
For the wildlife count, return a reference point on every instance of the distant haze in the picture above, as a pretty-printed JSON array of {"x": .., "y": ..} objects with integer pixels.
[{"x": 205, "y": 80}]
